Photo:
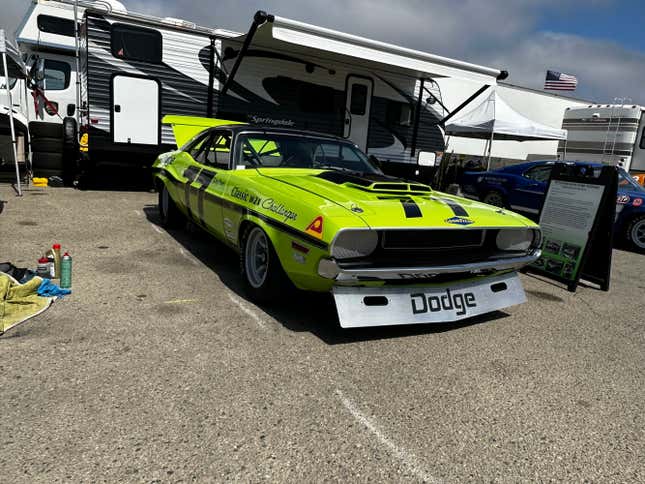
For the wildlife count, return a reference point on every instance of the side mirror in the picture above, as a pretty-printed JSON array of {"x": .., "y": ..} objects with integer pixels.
[
  {"x": 427, "y": 158},
  {"x": 37, "y": 71}
]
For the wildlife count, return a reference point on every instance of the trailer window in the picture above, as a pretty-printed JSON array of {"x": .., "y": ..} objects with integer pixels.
[
  {"x": 57, "y": 74},
  {"x": 56, "y": 25},
  {"x": 358, "y": 103},
  {"x": 135, "y": 43},
  {"x": 642, "y": 143}
]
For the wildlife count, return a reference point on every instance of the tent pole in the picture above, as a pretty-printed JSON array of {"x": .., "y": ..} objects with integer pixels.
[
  {"x": 490, "y": 149},
  {"x": 8, "y": 90}
]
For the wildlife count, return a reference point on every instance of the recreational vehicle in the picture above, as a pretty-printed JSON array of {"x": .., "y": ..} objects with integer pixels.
[
  {"x": 134, "y": 69},
  {"x": 607, "y": 133}
]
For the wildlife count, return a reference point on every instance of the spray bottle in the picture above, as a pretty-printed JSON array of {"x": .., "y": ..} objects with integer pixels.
[{"x": 66, "y": 271}]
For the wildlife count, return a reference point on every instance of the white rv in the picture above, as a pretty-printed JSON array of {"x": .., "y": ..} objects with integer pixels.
[
  {"x": 134, "y": 69},
  {"x": 607, "y": 133}
]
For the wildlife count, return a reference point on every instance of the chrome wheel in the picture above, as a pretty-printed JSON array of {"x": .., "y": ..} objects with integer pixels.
[
  {"x": 494, "y": 198},
  {"x": 637, "y": 234},
  {"x": 256, "y": 257}
]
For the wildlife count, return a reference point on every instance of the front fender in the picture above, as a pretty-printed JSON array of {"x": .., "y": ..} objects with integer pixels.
[{"x": 299, "y": 258}]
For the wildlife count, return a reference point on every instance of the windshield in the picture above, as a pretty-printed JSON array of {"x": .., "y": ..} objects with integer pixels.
[
  {"x": 3, "y": 84},
  {"x": 274, "y": 150},
  {"x": 626, "y": 182}
]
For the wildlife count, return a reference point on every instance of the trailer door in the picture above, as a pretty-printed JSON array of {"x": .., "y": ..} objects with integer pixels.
[
  {"x": 135, "y": 110},
  {"x": 357, "y": 109}
]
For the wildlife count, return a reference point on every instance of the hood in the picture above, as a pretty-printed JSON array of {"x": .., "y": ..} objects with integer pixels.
[{"x": 389, "y": 202}]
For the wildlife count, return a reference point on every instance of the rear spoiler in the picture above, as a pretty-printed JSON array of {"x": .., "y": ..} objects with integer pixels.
[{"x": 186, "y": 127}]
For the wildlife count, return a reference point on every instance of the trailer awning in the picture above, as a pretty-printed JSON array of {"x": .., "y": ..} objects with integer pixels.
[{"x": 310, "y": 40}]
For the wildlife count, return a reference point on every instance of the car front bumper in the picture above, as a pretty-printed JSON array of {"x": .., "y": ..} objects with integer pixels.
[{"x": 330, "y": 269}]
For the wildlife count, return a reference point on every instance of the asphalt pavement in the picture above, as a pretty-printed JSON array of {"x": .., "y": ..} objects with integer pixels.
[{"x": 158, "y": 369}]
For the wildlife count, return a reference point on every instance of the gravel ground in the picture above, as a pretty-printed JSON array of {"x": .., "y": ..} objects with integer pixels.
[{"x": 157, "y": 369}]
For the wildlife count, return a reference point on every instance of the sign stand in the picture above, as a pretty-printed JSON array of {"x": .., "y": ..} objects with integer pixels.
[{"x": 577, "y": 220}]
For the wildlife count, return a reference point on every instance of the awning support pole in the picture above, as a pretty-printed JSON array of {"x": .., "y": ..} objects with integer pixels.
[
  {"x": 259, "y": 18},
  {"x": 417, "y": 116},
  {"x": 464, "y": 104},
  {"x": 3, "y": 51},
  {"x": 211, "y": 79}
]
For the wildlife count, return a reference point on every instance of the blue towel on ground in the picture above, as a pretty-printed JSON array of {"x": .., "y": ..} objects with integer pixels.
[{"x": 48, "y": 289}]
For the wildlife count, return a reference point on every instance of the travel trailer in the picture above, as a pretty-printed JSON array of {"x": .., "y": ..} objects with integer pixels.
[
  {"x": 606, "y": 133},
  {"x": 134, "y": 69}
]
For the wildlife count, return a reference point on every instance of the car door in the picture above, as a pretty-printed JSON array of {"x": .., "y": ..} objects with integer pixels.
[
  {"x": 528, "y": 194},
  {"x": 214, "y": 160}
]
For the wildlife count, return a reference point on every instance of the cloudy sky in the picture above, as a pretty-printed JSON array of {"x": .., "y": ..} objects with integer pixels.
[{"x": 599, "y": 41}]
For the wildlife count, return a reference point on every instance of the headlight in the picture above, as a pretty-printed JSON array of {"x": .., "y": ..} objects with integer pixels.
[
  {"x": 515, "y": 240},
  {"x": 354, "y": 243}
]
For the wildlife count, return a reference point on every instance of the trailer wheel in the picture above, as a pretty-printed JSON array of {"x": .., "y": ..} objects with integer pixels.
[
  {"x": 70, "y": 150},
  {"x": 636, "y": 233},
  {"x": 171, "y": 217},
  {"x": 264, "y": 278},
  {"x": 495, "y": 198}
]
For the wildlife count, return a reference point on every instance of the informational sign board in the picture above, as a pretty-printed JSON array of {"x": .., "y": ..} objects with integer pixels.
[{"x": 576, "y": 221}]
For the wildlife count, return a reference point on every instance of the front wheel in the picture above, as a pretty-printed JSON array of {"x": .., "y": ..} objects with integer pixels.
[
  {"x": 636, "y": 233},
  {"x": 494, "y": 198},
  {"x": 170, "y": 215},
  {"x": 263, "y": 275}
]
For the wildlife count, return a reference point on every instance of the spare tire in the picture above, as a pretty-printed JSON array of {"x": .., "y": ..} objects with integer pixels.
[
  {"x": 45, "y": 129},
  {"x": 47, "y": 145},
  {"x": 47, "y": 162}
]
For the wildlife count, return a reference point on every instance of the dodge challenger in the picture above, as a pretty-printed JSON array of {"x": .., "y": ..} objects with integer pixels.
[{"x": 312, "y": 211}]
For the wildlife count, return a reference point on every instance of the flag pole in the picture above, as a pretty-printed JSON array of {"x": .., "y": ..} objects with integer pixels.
[{"x": 3, "y": 51}]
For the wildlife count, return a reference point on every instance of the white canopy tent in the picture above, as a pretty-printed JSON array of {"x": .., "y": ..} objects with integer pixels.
[
  {"x": 11, "y": 67},
  {"x": 493, "y": 119}
]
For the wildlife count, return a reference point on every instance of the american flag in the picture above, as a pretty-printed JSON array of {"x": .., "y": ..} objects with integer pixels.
[{"x": 557, "y": 81}]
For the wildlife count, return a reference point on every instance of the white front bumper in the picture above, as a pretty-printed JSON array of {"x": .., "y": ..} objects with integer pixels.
[{"x": 387, "y": 306}]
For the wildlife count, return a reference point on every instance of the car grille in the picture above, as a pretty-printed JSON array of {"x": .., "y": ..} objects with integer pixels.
[
  {"x": 431, "y": 239},
  {"x": 429, "y": 248}
]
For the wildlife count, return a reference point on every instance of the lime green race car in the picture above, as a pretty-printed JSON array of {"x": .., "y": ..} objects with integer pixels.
[{"x": 311, "y": 210}]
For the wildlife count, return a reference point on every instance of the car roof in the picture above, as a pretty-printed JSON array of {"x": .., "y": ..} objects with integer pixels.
[{"x": 238, "y": 128}]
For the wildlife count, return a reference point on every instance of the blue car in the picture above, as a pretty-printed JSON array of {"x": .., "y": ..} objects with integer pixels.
[{"x": 522, "y": 188}]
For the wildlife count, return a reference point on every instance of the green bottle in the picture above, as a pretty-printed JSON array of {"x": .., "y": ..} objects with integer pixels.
[{"x": 66, "y": 271}]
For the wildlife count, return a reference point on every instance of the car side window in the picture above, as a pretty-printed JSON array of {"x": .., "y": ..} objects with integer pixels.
[
  {"x": 218, "y": 153},
  {"x": 198, "y": 147},
  {"x": 539, "y": 173}
]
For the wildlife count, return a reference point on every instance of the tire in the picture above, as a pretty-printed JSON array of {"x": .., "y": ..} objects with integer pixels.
[
  {"x": 47, "y": 161},
  {"x": 47, "y": 145},
  {"x": 494, "y": 198},
  {"x": 70, "y": 150},
  {"x": 46, "y": 130},
  {"x": 171, "y": 217},
  {"x": 264, "y": 278},
  {"x": 635, "y": 233}
]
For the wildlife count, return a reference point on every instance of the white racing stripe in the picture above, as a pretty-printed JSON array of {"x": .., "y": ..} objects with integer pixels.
[
  {"x": 404, "y": 456},
  {"x": 248, "y": 311}
]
